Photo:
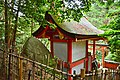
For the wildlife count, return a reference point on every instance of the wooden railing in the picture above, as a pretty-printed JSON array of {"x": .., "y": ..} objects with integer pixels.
[{"x": 20, "y": 68}]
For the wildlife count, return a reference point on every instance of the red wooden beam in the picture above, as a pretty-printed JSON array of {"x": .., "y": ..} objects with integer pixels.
[
  {"x": 94, "y": 49},
  {"x": 110, "y": 65},
  {"x": 78, "y": 62},
  {"x": 69, "y": 51},
  {"x": 40, "y": 35},
  {"x": 58, "y": 40},
  {"x": 69, "y": 57},
  {"x": 74, "y": 63},
  {"x": 87, "y": 56}
]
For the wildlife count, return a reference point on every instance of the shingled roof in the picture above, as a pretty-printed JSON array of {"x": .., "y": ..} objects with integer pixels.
[{"x": 81, "y": 30}]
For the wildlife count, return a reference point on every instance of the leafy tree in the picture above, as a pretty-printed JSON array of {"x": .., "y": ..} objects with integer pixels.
[
  {"x": 64, "y": 9},
  {"x": 99, "y": 12},
  {"x": 97, "y": 15},
  {"x": 113, "y": 35},
  {"x": 1, "y": 22},
  {"x": 32, "y": 12},
  {"x": 10, "y": 10},
  {"x": 113, "y": 29},
  {"x": 106, "y": 13}
]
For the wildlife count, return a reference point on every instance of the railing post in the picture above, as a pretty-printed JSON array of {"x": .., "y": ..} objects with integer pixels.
[
  {"x": 82, "y": 73},
  {"x": 105, "y": 74},
  {"x": 118, "y": 73},
  {"x": 9, "y": 66},
  {"x": 69, "y": 72},
  {"x": 29, "y": 74},
  {"x": 61, "y": 68},
  {"x": 20, "y": 69},
  {"x": 33, "y": 70},
  {"x": 102, "y": 74},
  {"x": 74, "y": 75}
]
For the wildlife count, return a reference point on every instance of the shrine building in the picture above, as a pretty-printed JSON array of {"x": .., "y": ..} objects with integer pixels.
[{"x": 69, "y": 42}]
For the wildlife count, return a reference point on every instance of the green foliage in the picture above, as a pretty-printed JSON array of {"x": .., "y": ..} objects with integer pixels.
[
  {"x": 64, "y": 9},
  {"x": 102, "y": 12},
  {"x": 113, "y": 35},
  {"x": 107, "y": 14},
  {"x": 109, "y": 56},
  {"x": 32, "y": 13},
  {"x": 96, "y": 15},
  {"x": 1, "y": 22},
  {"x": 24, "y": 30},
  {"x": 99, "y": 56}
]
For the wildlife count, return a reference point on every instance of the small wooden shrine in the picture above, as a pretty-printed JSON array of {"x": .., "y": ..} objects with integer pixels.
[{"x": 69, "y": 42}]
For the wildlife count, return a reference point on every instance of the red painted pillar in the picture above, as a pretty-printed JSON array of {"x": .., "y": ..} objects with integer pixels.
[
  {"x": 69, "y": 57},
  {"x": 51, "y": 42},
  {"x": 86, "y": 56},
  {"x": 51, "y": 47},
  {"x": 94, "y": 52}
]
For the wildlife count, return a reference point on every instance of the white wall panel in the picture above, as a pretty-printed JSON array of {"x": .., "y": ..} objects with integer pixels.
[
  {"x": 78, "y": 50},
  {"x": 60, "y": 50}
]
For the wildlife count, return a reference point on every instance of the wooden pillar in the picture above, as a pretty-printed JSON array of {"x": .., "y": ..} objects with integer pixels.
[
  {"x": 51, "y": 42},
  {"x": 69, "y": 57},
  {"x": 103, "y": 56},
  {"x": 87, "y": 55},
  {"x": 94, "y": 51},
  {"x": 51, "y": 48},
  {"x": 9, "y": 68},
  {"x": 20, "y": 69},
  {"x": 82, "y": 74}
]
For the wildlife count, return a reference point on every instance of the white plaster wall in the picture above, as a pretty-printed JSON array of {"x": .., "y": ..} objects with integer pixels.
[
  {"x": 60, "y": 50},
  {"x": 78, "y": 68},
  {"x": 78, "y": 50}
]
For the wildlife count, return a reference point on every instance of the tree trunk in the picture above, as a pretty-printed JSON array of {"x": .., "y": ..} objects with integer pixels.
[
  {"x": 16, "y": 24},
  {"x": 7, "y": 40}
]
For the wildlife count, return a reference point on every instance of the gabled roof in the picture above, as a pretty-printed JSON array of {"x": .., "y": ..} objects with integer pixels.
[{"x": 82, "y": 30}]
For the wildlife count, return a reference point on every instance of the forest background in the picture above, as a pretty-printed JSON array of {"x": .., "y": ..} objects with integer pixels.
[{"x": 20, "y": 18}]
